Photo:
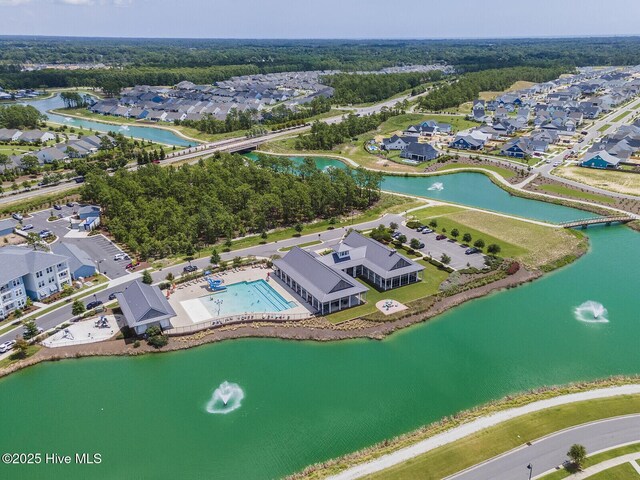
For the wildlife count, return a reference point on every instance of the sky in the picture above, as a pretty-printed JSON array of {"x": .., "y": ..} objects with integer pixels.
[{"x": 320, "y": 18}]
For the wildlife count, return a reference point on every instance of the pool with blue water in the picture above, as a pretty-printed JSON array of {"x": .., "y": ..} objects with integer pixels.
[{"x": 246, "y": 297}]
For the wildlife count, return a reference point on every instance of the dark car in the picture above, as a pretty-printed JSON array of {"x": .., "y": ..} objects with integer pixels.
[
  {"x": 190, "y": 268},
  {"x": 441, "y": 237},
  {"x": 57, "y": 207},
  {"x": 112, "y": 296},
  {"x": 79, "y": 179},
  {"x": 94, "y": 304},
  {"x": 419, "y": 229},
  {"x": 70, "y": 204},
  {"x": 471, "y": 250},
  {"x": 131, "y": 265},
  {"x": 421, "y": 245}
]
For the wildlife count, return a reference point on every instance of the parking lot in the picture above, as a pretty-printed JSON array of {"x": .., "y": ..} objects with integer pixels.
[
  {"x": 98, "y": 247},
  {"x": 435, "y": 248}
]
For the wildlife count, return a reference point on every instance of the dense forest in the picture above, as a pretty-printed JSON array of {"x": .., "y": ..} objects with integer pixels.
[
  {"x": 364, "y": 88},
  {"x": 324, "y": 136},
  {"x": 20, "y": 116},
  {"x": 160, "y": 211},
  {"x": 467, "y": 87},
  {"x": 168, "y": 61}
]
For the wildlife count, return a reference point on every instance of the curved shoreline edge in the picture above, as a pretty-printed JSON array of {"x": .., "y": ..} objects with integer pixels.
[{"x": 397, "y": 450}]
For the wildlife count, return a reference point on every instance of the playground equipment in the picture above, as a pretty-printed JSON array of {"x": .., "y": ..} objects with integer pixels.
[{"x": 216, "y": 285}]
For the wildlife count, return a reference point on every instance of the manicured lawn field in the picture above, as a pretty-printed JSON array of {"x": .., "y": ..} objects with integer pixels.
[
  {"x": 503, "y": 172},
  {"x": 302, "y": 245},
  {"x": 604, "y": 127},
  {"x": 493, "y": 441},
  {"x": 576, "y": 193},
  {"x": 621, "y": 472},
  {"x": 431, "y": 279},
  {"x": 533, "y": 244},
  {"x": 621, "y": 116},
  {"x": 613, "y": 180}
]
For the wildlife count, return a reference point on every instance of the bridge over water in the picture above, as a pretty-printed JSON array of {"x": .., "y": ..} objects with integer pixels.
[{"x": 584, "y": 223}]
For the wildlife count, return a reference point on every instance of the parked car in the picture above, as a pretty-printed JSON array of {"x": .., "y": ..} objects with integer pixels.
[
  {"x": 131, "y": 265},
  {"x": 17, "y": 216},
  {"x": 28, "y": 226},
  {"x": 79, "y": 179},
  {"x": 427, "y": 230},
  {"x": 44, "y": 233},
  {"x": 421, "y": 245},
  {"x": 441, "y": 237},
  {"x": 6, "y": 346},
  {"x": 70, "y": 204},
  {"x": 190, "y": 269},
  {"x": 94, "y": 304},
  {"x": 112, "y": 296},
  {"x": 57, "y": 207},
  {"x": 120, "y": 256},
  {"x": 472, "y": 250},
  {"x": 419, "y": 229}
]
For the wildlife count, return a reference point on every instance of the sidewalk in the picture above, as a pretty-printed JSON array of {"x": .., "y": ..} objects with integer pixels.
[
  {"x": 607, "y": 464},
  {"x": 457, "y": 433}
]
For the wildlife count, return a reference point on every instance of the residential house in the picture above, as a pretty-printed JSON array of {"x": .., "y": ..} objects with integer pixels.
[
  {"x": 420, "y": 152},
  {"x": 601, "y": 159}
]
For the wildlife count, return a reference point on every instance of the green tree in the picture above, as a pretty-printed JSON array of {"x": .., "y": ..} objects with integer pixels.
[
  {"x": 170, "y": 277},
  {"x": 402, "y": 238},
  {"x": 30, "y": 329},
  {"x": 466, "y": 238},
  {"x": 433, "y": 223},
  {"x": 455, "y": 233},
  {"x": 155, "y": 337},
  {"x": 77, "y": 308},
  {"x": 479, "y": 243},
  {"x": 29, "y": 163},
  {"x": 577, "y": 454},
  {"x": 146, "y": 277},
  {"x": 493, "y": 249},
  {"x": 21, "y": 348},
  {"x": 446, "y": 259},
  {"x": 414, "y": 243},
  {"x": 298, "y": 228},
  {"x": 215, "y": 257},
  {"x": 237, "y": 261}
]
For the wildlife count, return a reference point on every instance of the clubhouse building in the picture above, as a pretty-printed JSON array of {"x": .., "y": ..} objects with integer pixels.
[{"x": 328, "y": 282}]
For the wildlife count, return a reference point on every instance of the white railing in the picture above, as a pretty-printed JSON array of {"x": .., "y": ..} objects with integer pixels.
[{"x": 239, "y": 318}]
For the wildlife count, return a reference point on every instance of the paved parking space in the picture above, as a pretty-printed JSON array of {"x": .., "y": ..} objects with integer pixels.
[{"x": 435, "y": 248}]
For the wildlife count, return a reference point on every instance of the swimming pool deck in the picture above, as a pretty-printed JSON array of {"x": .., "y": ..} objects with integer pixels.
[{"x": 189, "y": 310}]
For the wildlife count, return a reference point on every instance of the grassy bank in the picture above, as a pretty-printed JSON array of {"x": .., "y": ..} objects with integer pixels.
[
  {"x": 596, "y": 459},
  {"x": 612, "y": 180},
  {"x": 503, "y": 172},
  {"x": 570, "y": 192},
  {"x": 493, "y": 441}
]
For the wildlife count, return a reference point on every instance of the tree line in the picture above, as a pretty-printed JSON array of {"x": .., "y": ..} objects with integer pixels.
[
  {"x": 371, "y": 87},
  {"x": 160, "y": 211},
  {"x": 325, "y": 136},
  {"x": 20, "y": 117},
  {"x": 467, "y": 87}
]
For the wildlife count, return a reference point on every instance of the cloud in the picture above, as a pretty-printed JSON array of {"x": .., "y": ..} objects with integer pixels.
[{"x": 13, "y": 3}]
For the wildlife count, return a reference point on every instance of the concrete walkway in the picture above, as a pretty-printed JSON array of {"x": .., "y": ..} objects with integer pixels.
[{"x": 475, "y": 426}]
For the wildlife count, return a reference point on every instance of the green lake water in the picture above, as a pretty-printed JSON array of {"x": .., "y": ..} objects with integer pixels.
[{"x": 306, "y": 402}]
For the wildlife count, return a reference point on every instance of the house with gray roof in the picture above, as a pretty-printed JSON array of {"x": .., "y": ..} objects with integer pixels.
[
  {"x": 9, "y": 134},
  {"x": 420, "y": 152},
  {"x": 328, "y": 282},
  {"x": 144, "y": 306},
  {"x": 81, "y": 265}
]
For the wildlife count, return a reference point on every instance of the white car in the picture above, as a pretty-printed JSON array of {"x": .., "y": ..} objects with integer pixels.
[
  {"x": 120, "y": 256},
  {"x": 6, "y": 346}
]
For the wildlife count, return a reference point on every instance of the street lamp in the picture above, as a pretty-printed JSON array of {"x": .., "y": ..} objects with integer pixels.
[{"x": 530, "y": 468}]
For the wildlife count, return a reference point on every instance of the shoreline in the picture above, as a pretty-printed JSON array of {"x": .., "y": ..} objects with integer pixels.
[
  {"x": 61, "y": 112},
  {"x": 313, "y": 329}
]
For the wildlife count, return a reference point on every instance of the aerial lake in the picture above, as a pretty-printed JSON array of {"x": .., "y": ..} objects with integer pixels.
[{"x": 306, "y": 402}]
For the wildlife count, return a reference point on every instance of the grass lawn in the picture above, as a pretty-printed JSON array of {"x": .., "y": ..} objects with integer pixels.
[
  {"x": 576, "y": 193},
  {"x": 604, "y": 127},
  {"x": 613, "y": 180},
  {"x": 621, "y": 116},
  {"x": 31, "y": 350},
  {"x": 302, "y": 245},
  {"x": 622, "y": 472},
  {"x": 432, "y": 277},
  {"x": 481, "y": 446},
  {"x": 503, "y": 172},
  {"x": 596, "y": 459},
  {"x": 533, "y": 244}
]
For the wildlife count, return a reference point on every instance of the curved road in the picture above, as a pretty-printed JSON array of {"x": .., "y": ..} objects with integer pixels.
[{"x": 549, "y": 452}]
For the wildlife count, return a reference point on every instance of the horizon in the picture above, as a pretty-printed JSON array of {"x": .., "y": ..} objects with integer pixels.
[{"x": 334, "y": 19}]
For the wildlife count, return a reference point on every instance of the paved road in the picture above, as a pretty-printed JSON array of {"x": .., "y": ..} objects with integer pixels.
[{"x": 549, "y": 452}]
